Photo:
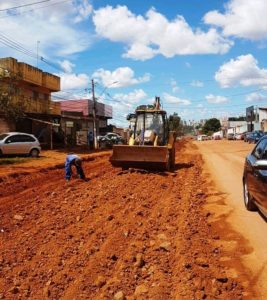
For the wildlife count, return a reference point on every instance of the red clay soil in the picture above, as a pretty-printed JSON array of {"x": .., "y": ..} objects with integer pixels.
[{"x": 121, "y": 235}]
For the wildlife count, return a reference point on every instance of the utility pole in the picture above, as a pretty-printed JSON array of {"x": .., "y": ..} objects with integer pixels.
[{"x": 94, "y": 113}]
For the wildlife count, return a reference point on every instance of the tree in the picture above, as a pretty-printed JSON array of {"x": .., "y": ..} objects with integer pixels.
[
  {"x": 211, "y": 125},
  {"x": 175, "y": 123},
  {"x": 11, "y": 103}
]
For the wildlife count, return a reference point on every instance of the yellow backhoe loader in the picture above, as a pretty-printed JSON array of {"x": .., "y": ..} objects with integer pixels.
[{"x": 151, "y": 145}]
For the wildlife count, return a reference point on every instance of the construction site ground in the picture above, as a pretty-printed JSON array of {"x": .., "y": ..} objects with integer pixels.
[{"x": 130, "y": 234}]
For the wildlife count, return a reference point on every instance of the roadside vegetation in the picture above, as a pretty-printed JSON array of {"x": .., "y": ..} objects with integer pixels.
[{"x": 14, "y": 160}]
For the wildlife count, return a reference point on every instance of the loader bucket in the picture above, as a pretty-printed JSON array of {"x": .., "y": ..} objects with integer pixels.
[{"x": 145, "y": 157}]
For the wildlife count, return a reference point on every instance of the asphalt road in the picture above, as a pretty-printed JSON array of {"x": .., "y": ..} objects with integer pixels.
[{"x": 224, "y": 161}]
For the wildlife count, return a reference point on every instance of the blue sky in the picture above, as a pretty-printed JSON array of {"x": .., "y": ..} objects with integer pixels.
[{"x": 203, "y": 58}]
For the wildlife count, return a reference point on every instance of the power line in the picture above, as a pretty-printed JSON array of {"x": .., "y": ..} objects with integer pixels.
[
  {"x": 24, "y": 5},
  {"x": 11, "y": 43},
  {"x": 30, "y": 10}
]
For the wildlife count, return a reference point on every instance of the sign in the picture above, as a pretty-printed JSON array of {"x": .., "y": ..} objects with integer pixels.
[
  {"x": 69, "y": 124},
  {"x": 250, "y": 114}
]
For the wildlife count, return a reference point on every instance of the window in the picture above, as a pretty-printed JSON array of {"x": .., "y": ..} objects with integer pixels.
[
  {"x": 261, "y": 150},
  {"x": 264, "y": 154},
  {"x": 20, "y": 138},
  {"x": 2, "y": 136},
  {"x": 35, "y": 95},
  {"x": 27, "y": 138}
]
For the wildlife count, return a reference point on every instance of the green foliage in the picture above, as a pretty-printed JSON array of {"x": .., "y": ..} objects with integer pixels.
[
  {"x": 211, "y": 125},
  {"x": 13, "y": 160},
  {"x": 242, "y": 118},
  {"x": 175, "y": 123},
  {"x": 10, "y": 104}
]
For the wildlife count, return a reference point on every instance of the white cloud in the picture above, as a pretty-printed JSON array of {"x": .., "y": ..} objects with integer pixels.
[
  {"x": 256, "y": 97},
  {"x": 242, "y": 18},
  {"x": 153, "y": 34},
  {"x": 197, "y": 83},
  {"x": 243, "y": 70},
  {"x": 53, "y": 25},
  {"x": 67, "y": 66},
  {"x": 131, "y": 98},
  {"x": 123, "y": 77},
  {"x": 70, "y": 80},
  {"x": 175, "y": 100},
  {"x": 124, "y": 104},
  {"x": 216, "y": 99},
  {"x": 84, "y": 9},
  {"x": 74, "y": 81},
  {"x": 175, "y": 87}
]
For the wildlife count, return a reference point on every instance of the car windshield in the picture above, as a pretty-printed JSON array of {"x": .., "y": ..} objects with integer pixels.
[{"x": 3, "y": 136}]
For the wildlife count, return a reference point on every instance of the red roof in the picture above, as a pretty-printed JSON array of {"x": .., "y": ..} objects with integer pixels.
[
  {"x": 75, "y": 105},
  {"x": 81, "y": 106}
]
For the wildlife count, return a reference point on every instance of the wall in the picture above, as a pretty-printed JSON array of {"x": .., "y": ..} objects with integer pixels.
[
  {"x": 6, "y": 126},
  {"x": 262, "y": 114},
  {"x": 241, "y": 129},
  {"x": 34, "y": 86}
]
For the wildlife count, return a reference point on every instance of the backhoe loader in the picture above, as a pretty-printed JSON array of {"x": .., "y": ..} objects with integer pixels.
[{"x": 151, "y": 145}]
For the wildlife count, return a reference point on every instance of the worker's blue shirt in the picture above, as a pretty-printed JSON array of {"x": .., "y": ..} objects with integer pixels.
[{"x": 68, "y": 163}]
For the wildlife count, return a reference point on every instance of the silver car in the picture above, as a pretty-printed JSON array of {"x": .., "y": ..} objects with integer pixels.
[{"x": 19, "y": 143}]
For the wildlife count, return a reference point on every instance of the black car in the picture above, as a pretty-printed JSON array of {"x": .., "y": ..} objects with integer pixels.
[
  {"x": 254, "y": 137},
  {"x": 255, "y": 178}
]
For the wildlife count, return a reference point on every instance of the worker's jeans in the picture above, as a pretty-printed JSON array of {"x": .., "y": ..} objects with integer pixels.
[{"x": 79, "y": 172}]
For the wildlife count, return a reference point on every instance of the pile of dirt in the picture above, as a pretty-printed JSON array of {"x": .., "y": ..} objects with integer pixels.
[{"x": 121, "y": 235}]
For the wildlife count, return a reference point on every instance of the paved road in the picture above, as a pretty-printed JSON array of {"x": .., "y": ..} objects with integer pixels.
[{"x": 224, "y": 160}]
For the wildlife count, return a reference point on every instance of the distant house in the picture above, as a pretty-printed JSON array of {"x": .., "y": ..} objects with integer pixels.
[
  {"x": 263, "y": 118},
  {"x": 77, "y": 120},
  {"x": 26, "y": 104}
]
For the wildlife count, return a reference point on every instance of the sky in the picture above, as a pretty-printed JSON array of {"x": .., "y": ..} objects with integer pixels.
[{"x": 203, "y": 58}]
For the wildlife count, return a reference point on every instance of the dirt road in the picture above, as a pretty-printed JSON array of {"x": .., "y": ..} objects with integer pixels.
[
  {"x": 225, "y": 163},
  {"x": 133, "y": 234}
]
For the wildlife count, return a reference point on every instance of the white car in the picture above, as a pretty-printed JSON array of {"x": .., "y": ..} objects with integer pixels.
[
  {"x": 19, "y": 143},
  {"x": 202, "y": 137}
]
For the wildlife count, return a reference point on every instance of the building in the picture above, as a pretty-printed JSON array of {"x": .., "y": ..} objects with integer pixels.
[
  {"x": 263, "y": 118},
  {"x": 257, "y": 118},
  {"x": 77, "y": 120},
  {"x": 26, "y": 104}
]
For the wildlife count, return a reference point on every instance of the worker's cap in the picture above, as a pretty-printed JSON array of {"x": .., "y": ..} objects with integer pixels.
[{"x": 78, "y": 162}]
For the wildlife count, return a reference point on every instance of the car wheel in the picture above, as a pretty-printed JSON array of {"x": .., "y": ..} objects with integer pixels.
[
  {"x": 248, "y": 200},
  {"x": 34, "y": 153}
]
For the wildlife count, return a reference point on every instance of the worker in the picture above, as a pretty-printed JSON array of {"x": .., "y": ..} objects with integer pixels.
[
  {"x": 73, "y": 159},
  {"x": 91, "y": 140}
]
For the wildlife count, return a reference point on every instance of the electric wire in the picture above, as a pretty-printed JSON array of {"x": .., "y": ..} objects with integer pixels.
[
  {"x": 31, "y": 10},
  {"x": 24, "y": 5}
]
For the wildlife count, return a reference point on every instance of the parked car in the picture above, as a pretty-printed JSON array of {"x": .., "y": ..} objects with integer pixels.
[
  {"x": 246, "y": 136},
  {"x": 108, "y": 140},
  {"x": 230, "y": 136},
  {"x": 15, "y": 143},
  {"x": 255, "y": 178},
  {"x": 104, "y": 142},
  {"x": 202, "y": 137},
  {"x": 254, "y": 137},
  {"x": 239, "y": 136},
  {"x": 115, "y": 138}
]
